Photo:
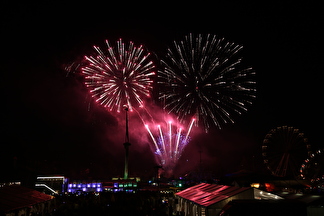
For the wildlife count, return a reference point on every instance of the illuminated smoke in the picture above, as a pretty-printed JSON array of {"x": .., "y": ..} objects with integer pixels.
[{"x": 169, "y": 141}]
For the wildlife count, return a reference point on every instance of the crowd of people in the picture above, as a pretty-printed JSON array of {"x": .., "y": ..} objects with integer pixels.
[{"x": 141, "y": 203}]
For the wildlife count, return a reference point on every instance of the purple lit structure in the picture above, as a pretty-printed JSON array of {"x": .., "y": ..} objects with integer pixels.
[
  {"x": 84, "y": 187},
  {"x": 79, "y": 187}
]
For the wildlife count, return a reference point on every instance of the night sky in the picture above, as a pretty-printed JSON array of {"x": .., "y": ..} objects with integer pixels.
[{"x": 49, "y": 123}]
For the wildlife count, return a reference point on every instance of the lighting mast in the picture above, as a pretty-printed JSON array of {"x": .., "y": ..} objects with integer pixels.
[{"x": 126, "y": 144}]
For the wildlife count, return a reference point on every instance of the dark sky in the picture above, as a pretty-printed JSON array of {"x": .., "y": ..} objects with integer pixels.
[{"x": 48, "y": 121}]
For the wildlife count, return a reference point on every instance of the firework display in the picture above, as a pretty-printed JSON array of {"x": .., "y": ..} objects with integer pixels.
[
  {"x": 169, "y": 142},
  {"x": 120, "y": 75},
  {"x": 202, "y": 77}
]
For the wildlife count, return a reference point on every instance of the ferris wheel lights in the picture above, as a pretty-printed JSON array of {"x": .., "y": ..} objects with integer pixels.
[
  {"x": 294, "y": 147},
  {"x": 312, "y": 170}
]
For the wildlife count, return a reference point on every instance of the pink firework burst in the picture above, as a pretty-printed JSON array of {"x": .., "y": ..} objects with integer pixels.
[
  {"x": 119, "y": 75},
  {"x": 169, "y": 141}
]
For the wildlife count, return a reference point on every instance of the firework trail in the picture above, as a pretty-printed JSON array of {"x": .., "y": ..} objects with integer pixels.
[
  {"x": 120, "y": 75},
  {"x": 202, "y": 77},
  {"x": 169, "y": 142}
]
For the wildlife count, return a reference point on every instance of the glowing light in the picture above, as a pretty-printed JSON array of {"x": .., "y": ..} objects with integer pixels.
[
  {"x": 51, "y": 177},
  {"x": 119, "y": 75},
  {"x": 154, "y": 141},
  {"x": 202, "y": 77},
  {"x": 49, "y": 188},
  {"x": 169, "y": 142}
]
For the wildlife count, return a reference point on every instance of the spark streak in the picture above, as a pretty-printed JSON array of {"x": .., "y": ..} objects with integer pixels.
[
  {"x": 154, "y": 141},
  {"x": 169, "y": 142}
]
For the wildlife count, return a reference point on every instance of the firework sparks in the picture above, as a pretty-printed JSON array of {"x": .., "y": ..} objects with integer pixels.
[
  {"x": 120, "y": 75},
  {"x": 169, "y": 142},
  {"x": 202, "y": 77}
]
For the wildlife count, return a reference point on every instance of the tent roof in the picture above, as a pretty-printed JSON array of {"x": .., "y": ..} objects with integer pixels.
[
  {"x": 208, "y": 194},
  {"x": 16, "y": 197},
  {"x": 305, "y": 198}
]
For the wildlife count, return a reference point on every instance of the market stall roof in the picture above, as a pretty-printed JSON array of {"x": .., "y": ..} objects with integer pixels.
[
  {"x": 16, "y": 197},
  {"x": 208, "y": 194}
]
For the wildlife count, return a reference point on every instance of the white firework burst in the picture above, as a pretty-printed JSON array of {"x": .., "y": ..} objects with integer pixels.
[
  {"x": 202, "y": 77},
  {"x": 120, "y": 75}
]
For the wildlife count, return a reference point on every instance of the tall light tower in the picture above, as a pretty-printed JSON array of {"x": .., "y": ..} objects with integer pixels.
[{"x": 126, "y": 144}]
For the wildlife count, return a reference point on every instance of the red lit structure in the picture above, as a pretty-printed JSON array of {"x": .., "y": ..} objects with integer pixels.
[
  {"x": 19, "y": 200},
  {"x": 209, "y": 199}
]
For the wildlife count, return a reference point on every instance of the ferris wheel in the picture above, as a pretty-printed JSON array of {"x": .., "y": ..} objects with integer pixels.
[
  {"x": 284, "y": 149},
  {"x": 313, "y": 169}
]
